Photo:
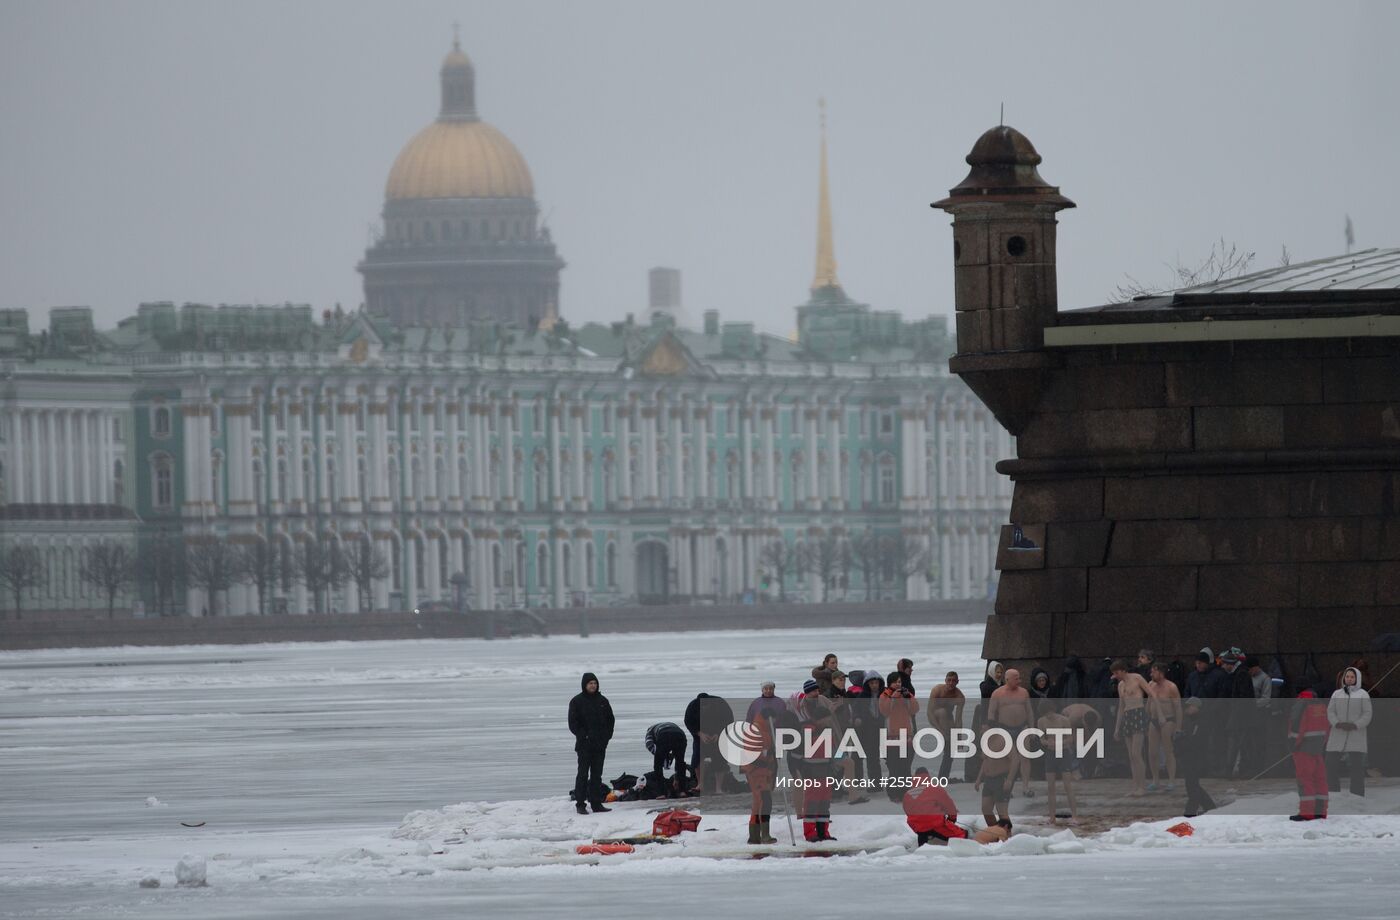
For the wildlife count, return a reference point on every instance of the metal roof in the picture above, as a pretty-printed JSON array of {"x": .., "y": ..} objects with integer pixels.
[{"x": 1370, "y": 269}]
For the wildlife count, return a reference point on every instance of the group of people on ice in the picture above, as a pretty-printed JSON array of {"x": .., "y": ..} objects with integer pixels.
[{"x": 1159, "y": 718}]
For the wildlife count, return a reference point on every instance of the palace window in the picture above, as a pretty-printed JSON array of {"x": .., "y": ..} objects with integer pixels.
[
  {"x": 160, "y": 422},
  {"x": 162, "y": 482},
  {"x": 542, "y": 564},
  {"x": 887, "y": 494},
  {"x": 589, "y": 577},
  {"x": 610, "y": 555},
  {"x": 567, "y": 558}
]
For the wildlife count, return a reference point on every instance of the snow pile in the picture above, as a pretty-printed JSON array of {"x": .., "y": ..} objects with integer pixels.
[
  {"x": 190, "y": 871},
  {"x": 153, "y": 802}
]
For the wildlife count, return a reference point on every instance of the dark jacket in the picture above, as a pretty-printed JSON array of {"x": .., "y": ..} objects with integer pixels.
[
  {"x": 1214, "y": 684},
  {"x": 666, "y": 737},
  {"x": 590, "y": 718},
  {"x": 1035, "y": 693},
  {"x": 708, "y": 714},
  {"x": 1072, "y": 683}
]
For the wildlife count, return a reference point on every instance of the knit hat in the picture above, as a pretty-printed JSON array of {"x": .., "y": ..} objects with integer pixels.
[
  {"x": 766, "y": 684},
  {"x": 809, "y": 685},
  {"x": 1203, "y": 656},
  {"x": 1229, "y": 658},
  {"x": 1208, "y": 653}
]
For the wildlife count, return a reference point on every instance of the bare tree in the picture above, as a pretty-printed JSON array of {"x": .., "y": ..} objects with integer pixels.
[
  {"x": 1226, "y": 260},
  {"x": 21, "y": 570},
  {"x": 212, "y": 565},
  {"x": 160, "y": 563},
  {"x": 779, "y": 559},
  {"x": 865, "y": 558},
  {"x": 110, "y": 568},
  {"x": 366, "y": 564},
  {"x": 320, "y": 566},
  {"x": 902, "y": 556},
  {"x": 829, "y": 559},
  {"x": 263, "y": 565}
]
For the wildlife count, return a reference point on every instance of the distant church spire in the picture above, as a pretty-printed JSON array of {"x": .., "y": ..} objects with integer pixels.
[{"x": 826, "y": 249}]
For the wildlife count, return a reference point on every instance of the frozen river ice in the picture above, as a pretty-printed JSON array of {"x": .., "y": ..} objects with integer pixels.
[{"x": 303, "y": 761}]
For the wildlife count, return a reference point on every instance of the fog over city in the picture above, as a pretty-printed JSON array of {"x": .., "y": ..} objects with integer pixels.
[{"x": 237, "y": 152}]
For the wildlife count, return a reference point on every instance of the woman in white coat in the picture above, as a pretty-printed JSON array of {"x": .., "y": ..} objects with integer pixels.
[{"x": 1349, "y": 711}]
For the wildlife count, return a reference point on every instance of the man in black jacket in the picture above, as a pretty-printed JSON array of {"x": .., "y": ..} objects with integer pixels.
[
  {"x": 706, "y": 718},
  {"x": 591, "y": 721},
  {"x": 1239, "y": 689}
]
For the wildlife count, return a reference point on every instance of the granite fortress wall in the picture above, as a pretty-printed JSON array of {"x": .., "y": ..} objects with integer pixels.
[{"x": 1219, "y": 466}]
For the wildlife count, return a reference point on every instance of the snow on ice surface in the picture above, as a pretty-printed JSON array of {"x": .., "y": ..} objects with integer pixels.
[{"x": 321, "y": 772}]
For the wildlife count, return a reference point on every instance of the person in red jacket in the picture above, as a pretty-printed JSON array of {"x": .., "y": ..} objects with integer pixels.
[
  {"x": 897, "y": 705},
  {"x": 1308, "y": 727},
  {"x": 930, "y": 811}
]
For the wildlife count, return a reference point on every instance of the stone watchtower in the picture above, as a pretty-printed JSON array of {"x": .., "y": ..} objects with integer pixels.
[
  {"x": 1216, "y": 466},
  {"x": 1003, "y": 246}
]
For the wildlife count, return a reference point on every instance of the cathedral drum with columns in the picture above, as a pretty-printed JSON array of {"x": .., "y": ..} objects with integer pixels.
[{"x": 454, "y": 442}]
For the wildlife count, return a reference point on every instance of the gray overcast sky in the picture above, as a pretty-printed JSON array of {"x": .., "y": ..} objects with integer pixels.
[{"x": 236, "y": 152}]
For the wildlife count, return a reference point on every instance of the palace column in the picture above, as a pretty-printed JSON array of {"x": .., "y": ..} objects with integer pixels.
[
  {"x": 18, "y": 444},
  {"x": 649, "y": 490},
  {"x": 84, "y": 451},
  {"x": 580, "y": 488},
  {"x": 746, "y": 448},
  {"x": 454, "y": 454},
  {"x": 702, "y": 451},
  {"x": 296, "y": 415},
  {"x": 680, "y": 489},
  {"x": 770, "y": 479},
  {"x": 481, "y": 456},
  {"x": 810, "y": 416},
  {"x": 106, "y": 465},
  {"x": 622, "y": 467},
  {"x": 507, "y": 421},
  {"x": 427, "y": 432},
  {"x": 377, "y": 455},
  {"x": 833, "y": 458},
  {"x": 555, "y": 435}
]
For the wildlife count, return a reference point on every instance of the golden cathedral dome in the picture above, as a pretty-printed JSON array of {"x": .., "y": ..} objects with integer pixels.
[
  {"x": 459, "y": 159},
  {"x": 459, "y": 155}
]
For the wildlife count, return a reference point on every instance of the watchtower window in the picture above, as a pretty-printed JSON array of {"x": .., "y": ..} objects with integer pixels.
[{"x": 1016, "y": 245}]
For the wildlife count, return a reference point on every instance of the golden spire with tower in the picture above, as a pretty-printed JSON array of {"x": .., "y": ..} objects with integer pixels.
[{"x": 826, "y": 249}]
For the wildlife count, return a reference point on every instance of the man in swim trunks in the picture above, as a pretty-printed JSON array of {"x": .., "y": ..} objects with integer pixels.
[
  {"x": 1010, "y": 708},
  {"x": 993, "y": 779},
  {"x": 1058, "y": 766},
  {"x": 1131, "y": 724},
  {"x": 945, "y": 712},
  {"x": 1165, "y": 708}
]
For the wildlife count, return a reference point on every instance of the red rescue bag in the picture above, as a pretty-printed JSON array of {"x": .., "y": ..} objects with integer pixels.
[{"x": 670, "y": 823}]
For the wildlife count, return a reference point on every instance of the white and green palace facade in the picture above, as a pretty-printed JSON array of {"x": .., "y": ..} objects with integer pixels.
[{"x": 612, "y": 464}]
